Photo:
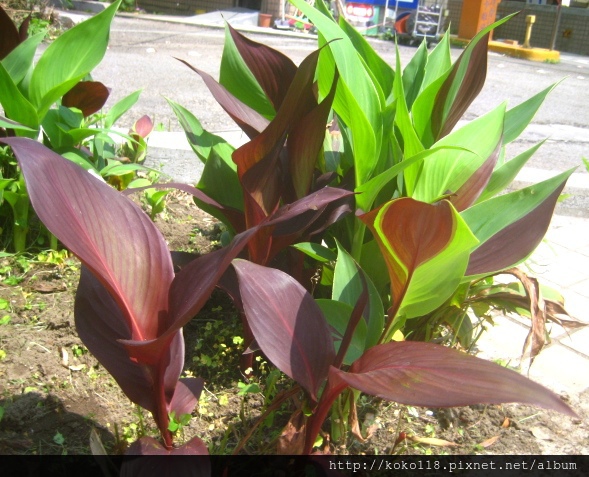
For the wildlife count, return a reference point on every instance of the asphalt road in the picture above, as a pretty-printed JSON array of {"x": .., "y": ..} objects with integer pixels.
[{"x": 142, "y": 55}]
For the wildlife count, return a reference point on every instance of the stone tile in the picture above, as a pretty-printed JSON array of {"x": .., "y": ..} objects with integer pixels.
[
  {"x": 576, "y": 304},
  {"x": 578, "y": 340},
  {"x": 582, "y": 288},
  {"x": 567, "y": 270},
  {"x": 561, "y": 369},
  {"x": 545, "y": 255},
  {"x": 504, "y": 341},
  {"x": 570, "y": 232},
  {"x": 584, "y": 251}
]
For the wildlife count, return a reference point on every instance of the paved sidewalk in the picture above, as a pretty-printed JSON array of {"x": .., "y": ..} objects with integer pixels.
[{"x": 561, "y": 262}]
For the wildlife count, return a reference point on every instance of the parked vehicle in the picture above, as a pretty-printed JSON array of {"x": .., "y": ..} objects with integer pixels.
[{"x": 409, "y": 20}]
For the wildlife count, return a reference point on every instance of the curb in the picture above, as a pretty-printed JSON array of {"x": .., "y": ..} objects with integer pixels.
[{"x": 541, "y": 55}]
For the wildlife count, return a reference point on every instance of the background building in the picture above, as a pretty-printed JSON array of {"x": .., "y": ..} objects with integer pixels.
[{"x": 572, "y": 34}]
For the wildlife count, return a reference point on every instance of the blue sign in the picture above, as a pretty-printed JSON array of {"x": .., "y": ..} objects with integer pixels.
[{"x": 409, "y": 4}]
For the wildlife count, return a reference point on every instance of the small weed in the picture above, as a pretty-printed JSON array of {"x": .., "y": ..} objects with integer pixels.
[
  {"x": 177, "y": 423},
  {"x": 245, "y": 389},
  {"x": 59, "y": 439},
  {"x": 4, "y": 304},
  {"x": 79, "y": 350}
]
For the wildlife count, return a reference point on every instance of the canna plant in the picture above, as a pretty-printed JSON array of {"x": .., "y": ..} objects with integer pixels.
[
  {"x": 277, "y": 166},
  {"x": 130, "y": 308},
  {"x": 426, "y": 190},
  {"x": 425, "y": 224},
  {"x": 130, "y": 304}
]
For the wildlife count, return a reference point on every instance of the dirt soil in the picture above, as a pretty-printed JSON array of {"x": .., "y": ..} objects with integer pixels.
[{"x": 53, "y": 392}]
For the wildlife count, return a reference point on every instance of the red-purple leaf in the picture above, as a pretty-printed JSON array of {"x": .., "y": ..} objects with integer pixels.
[
  {"x": 475, "y": 185},
  {"x": 305, "y": 142},
  {"x": 9, "y": 36},
  {"x": 162, "y": 467},
  {"x": 88, "y": 96},
  {"x": 132, "y": 261},
  {"x": 100, "y": 324},
  {"x": 186, "y": 395},
  {"x": 460, "y": 88},
  {"x": 143, "y": 126},
  {"x": 301, "y": 226},
  {"x": 299, "y": 100},
  {"x": 273, "y": 70},
  {"x": 23, "y": 29},
  {"x": 516, "y": 241},
  {"x": 249, "y": 120},
  {"x": 287, "y": 324},
  {"x": 265, "y": 184},
  {"x": 188, "y": 293},
  {"x": 426, "y": 374},
  {"x": 193, "y": 285}
]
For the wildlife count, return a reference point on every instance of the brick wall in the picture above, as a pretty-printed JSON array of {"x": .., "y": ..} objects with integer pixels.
[{"x": 572, "y": 35}]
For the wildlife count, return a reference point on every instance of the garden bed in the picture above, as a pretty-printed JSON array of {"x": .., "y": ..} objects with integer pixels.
[{"x": 53, "y": 392}]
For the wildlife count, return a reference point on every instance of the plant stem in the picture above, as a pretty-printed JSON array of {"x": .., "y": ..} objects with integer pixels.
[
  {"x": 358, "y": 240},
  {"x": 19, "y": 238}
]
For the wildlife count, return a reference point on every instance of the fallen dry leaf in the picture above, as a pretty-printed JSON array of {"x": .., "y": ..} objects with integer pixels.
[
  {"x": 432, "y": 441},
  {"x": 65, "y": 357},
  {"x": 489, "y": 442},
  {"x": 292, "y": 439}
]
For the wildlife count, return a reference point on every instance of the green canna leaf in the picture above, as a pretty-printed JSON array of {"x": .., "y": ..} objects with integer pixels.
[
  {"x": 239, "y": 80},
  {"x": 426, "y": 248},
  {"x": 70, "y": 58},
  {"x": 347, "y": 288},
  {"x": 511, "y": 226},
  {"x": 518, "y": 118}
]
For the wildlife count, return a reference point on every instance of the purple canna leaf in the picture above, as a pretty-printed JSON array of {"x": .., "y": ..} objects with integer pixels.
[
  {"x": 100, "y": 324},
  {"x": 515, "y": 242},
  {"x": 300, "y": 100},
  {"x": 287, "y": 324},
  {"x": 305, "y": 141},
  {"x": 273, "y": 70},
  {"x": 249, "y": 120},
  {"x": 430, "y": 375},
  {"x": 471, "y": 190},
  {"x": 186, "y": 395},
  {"x": 23, "y": 29},
  {"x": 88, "y": 96},
  {"x": 148, "y": 466},
  {"x": 137, "y": 272},
  {"x": 188, "y": 293},
  {"x": 131, "y": 268},
  {"x": 460, "y": 88},
  {"x": 261, "y": 163},
  {"x": 9, "y": 35}
]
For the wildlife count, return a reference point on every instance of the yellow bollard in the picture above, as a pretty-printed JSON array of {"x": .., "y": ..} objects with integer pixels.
[{"x": 530, "y": 20}]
